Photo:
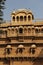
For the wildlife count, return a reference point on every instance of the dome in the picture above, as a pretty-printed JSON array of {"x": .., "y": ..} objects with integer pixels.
[
  {"x": 22, "y": 10},
  {"x": 20, "y": 46}
]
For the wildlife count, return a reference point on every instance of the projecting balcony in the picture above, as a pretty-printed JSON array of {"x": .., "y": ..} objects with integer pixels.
[{"x": 25, "y": 52}]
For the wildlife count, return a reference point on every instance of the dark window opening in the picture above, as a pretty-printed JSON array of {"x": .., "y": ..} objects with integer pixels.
[
  {"x": 41, "y": 30},
  {"x": 21, "y": 18},
  {"x": 36, "y": 30},
  {"x": 13, "y": 18},
  {"x": 8, "y": 51},
  {"x": 20, "y": 30},
  {"x": 25, "y": 18},
  {"x": 17, "y": 18},
  {"x": 19, "y": 50},
  {"x": 25, "y": 30},
  {"x": 29, "y": 30},
  {"x": 29, "y": 17},
  {"x": 32, "y": 50}
]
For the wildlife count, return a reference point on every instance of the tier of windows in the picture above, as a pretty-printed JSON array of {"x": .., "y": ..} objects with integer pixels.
[
  {"x": 26, "y": 29},
  {"x": 21, "y": 18},
  {"x": 21, "y": 30}
]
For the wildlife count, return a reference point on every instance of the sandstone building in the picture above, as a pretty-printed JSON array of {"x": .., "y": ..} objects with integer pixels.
[{"x": 21, "y": 40}]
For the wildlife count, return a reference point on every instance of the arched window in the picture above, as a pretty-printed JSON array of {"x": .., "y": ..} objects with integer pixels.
[
  {"x": 29, "y": 17},
  {"x": 25, "y": 18},
  {"x": 36, "y": 30},
  {"x": 17, "y": 18},
  {"x": 21, "y": 18},
  {"x": 41, "y": 30},
  {"x": 20, "y": 30},
  {"x": 29, "y": 30},
  {"x": 13, "y": 18},
  {"x": 32, "y": 49},
  {"x": 25, "y": 30},
  {"x": 20, "y": 49},
  {"x": 8, "y": 49},
  {"x": 16, "y": 30}
]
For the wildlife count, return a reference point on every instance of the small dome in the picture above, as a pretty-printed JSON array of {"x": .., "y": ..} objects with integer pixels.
[
  {"x": 36, "y": 27},
  {"x": 22, "y": 10},
  {"x": 33, "y": 46},
  {"x": 8, "y": 46},
  {"x": 9, "y": 28},
  {"x": 20, "y": 46}
]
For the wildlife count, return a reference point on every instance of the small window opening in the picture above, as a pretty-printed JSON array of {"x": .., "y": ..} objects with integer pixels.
[
  {"x": 29, "y": 18},
  {"x": 42, "y": 30},
  {"x": 36, "y": 30},
  {"x": 13, "y": 18},
  {"x": 17, "y": 18},
  {"x": 20, "y": 30},
  {"x": 29, "y": 30},
  {"x": 19, "y": 50},
  {"x": 32, "y": 50},
  {"x": 21, "y": 18},
  {"x": 25, "y": 18}
]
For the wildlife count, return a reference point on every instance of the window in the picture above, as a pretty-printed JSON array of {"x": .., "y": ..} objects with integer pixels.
[
  {"x": 41, "y": 30},
  {"x": 32, "y": 49},
  {"x": 16, "y": 30},
  {"x": 25, "y": 30},
  {"x": 8, "y": 49},
  {"x": 36, "y": 30},
  {"x": 13, "y": 18},
  {"x": 29, "y": 30},
  {"x": 25, "y": 18},
  {"x": 29, "y": 17},
  {"x": 20, "y": 49},
  {"x": 20, "y": 30},
  {"x": 21, "y": 18},
  {"x": 17, "y": 18}
]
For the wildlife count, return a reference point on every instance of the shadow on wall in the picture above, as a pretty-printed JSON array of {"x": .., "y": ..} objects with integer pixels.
[{"x": 40, "y": 60}]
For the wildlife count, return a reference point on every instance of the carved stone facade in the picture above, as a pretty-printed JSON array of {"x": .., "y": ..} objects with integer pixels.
[{"x": 21, "y": 40}]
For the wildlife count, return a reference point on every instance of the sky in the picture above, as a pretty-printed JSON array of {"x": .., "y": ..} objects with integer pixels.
[{"x": 36, "y": 6}]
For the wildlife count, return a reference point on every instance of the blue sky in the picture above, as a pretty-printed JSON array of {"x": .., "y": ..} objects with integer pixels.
[{"x": 35, "y": 5}]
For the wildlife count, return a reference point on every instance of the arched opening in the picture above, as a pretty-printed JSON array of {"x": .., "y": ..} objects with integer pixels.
[
  {"x": 32, "y": 49},
  {"x": 21, "y": 18},
  {"x": 17, "y": 18},
  {"x": 13, "y": 18},
  {"x": 8, "y": 49},
  {"x": 20, "y": 30},
  {"x": 25, "y": 18},
  {"x": 25, "y": 30},
  {"x": 41, "y": 30},
  {"x": 29, "y": 17},
  {"x": 36, "y": 30},
  {"x": 29, "y": 30},
  {"x": 20, "y": 49}
]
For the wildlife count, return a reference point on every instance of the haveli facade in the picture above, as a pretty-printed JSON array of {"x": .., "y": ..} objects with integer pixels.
[{"x": 21, "y": 40}]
